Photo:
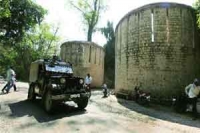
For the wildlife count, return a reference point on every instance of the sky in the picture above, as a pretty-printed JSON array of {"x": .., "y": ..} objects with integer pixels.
[{"x": 69, "y": 20}]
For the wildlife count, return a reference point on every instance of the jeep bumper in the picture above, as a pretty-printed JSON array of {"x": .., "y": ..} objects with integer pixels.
[{"x": 69, "y": 96}]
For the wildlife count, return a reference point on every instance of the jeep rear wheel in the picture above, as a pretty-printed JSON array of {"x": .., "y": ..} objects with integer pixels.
[
  {"x": 82, "y": 103},
  {"x": 48, "y": 103},
  {"x": 31, "y": 93}
]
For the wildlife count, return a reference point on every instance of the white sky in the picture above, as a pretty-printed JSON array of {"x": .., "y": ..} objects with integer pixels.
[{"x": 70, "y": 22}]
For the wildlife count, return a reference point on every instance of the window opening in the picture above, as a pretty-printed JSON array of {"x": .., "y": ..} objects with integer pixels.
[
  {"x": 90, "y": 54},
  {"x": 152, "y": 26}
]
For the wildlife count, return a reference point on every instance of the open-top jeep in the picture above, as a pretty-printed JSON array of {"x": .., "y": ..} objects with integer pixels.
[{"x": 53, "y": 81}]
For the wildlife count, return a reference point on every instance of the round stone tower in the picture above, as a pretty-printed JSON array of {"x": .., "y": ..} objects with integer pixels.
[
  {"x": 157, "y": 48},
  {"x": 86, "y": 57}
]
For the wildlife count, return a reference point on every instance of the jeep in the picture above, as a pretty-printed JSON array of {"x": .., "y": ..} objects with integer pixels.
[{"x": 53, "y": 81}]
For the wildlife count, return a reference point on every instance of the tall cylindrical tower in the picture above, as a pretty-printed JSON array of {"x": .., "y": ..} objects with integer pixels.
[{"x": 157, "y": 49}]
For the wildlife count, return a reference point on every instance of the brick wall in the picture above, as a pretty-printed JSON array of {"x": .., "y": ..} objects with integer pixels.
[
  {"x": 157, "y": 48},
  {"x": 86, "y": 57}
]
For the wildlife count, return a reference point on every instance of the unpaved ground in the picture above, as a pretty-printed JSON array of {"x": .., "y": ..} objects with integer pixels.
[{"x": 17, "y": 115}]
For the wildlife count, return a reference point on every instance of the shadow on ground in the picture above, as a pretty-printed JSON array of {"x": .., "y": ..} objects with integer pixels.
[
  {"x": 2, "y": 93},
  {"x": 160, "y": 112},
  {"x": 35, "y": 109}
]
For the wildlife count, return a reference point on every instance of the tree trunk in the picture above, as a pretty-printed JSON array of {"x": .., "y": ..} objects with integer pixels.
[{"x": 89, "y": 34}]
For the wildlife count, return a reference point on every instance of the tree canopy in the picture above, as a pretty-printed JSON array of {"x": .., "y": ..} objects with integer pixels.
[
  {"x": 38, "y": 43},
  {"x": 109, "y": 48},
  {"x": 23, "y": 36},
  {"x": 196, "y": 5},
  {"x": 4, "y": 8},
  {"x": 17, "y": 17},
  {"x": 91, "y": 11}
]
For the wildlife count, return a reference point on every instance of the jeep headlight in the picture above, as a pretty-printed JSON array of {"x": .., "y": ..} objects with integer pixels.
[
  {"x": 81, "y": 81},
  {"x": 62, "y": 80}
]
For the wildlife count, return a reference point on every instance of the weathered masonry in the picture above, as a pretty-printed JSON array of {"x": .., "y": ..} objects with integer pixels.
[
  {"x": 86, "y": 57},
  {"x": 157, "y": 48}
]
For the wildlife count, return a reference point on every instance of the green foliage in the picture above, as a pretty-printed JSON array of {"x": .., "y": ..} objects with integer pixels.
[
  {"x": 7, "y": 58},
  {"x": 21, "y": 26},
  {"x": 40, "y": 42},
  {"x": 17, "y": 17},
  {"x": 4, "y": 8},
  {"x": 108, "y": 32},
  {"x": 91, "y": 11},
  {"x": 109, "y": 64},
  {"x": 196, "y": 6}
]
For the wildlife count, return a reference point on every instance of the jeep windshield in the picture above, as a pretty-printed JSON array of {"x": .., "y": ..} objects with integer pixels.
[{"x": 58, "y": 68}]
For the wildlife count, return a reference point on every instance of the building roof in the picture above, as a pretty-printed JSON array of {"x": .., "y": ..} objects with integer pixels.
[
  {"x": 81, "y": 42},
  {"x": 153, "y": 5}
]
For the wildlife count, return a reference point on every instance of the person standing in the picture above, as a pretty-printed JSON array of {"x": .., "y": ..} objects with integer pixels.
[
  {"x": 88, "y": 80},
  {"x": 192, "y": 91}
]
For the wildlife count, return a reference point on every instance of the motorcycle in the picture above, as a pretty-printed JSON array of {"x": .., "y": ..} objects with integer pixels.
[
  {"x": 180, "y": 103},
  {"x": 142, "y": 97}
]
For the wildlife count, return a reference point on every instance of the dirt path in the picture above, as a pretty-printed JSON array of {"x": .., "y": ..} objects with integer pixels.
[{"x": 110, "y": 115}]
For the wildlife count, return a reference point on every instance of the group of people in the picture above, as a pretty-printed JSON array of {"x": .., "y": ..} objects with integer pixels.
[{"x": 11, "y": 80}]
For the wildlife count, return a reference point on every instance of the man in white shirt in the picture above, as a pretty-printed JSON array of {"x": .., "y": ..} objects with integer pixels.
[
  {"x": 192, "y": 91},
  {"x": 88, "y": 80}
]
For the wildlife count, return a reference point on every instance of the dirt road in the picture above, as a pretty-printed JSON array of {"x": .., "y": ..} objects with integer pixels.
[{"x": 110, "y": 115}]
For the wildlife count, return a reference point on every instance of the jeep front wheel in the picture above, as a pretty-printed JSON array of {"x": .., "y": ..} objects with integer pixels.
[
  {"x": 31, "y": 93},
  {"x": 48, "y": 103},
  {"x": 82, "y": 103}
]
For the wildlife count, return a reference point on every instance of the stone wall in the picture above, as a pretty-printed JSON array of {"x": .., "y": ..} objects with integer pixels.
[
  {"x": 157, "y": 48},
  {"x": 86, "y": 57}
]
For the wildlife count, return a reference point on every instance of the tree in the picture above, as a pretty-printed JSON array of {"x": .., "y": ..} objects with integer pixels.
[
  {"x": 196, "y": 6},
  {"x": 43, "y": 39},
  {"x": 7, "y": 57},
  {"x": 109, "y": 64},
  {"x": 38, "y": 44},
  {"x": 4, "y": 8},
  {"x": 23, "y": 38},
  {"x": 17, "y": 17},
  {"x": 91, "y": 11}
]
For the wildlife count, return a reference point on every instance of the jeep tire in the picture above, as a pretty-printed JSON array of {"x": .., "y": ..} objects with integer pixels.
[
  {"x": 48, "y": 102},
  {"x": 82, "y": 102},
  {"x": 31, "y": 93}
]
